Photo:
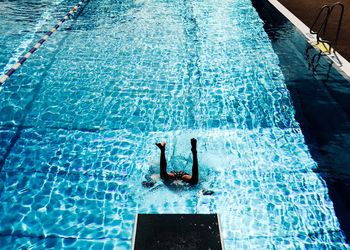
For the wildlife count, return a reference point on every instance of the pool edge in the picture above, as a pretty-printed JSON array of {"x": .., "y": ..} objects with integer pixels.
[{"x": 304, "y": 29}]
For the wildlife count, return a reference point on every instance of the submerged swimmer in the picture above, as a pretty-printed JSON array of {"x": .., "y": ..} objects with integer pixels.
[
  {"x": 176, "y": 175},
  {"x": 179, "y": 175}
]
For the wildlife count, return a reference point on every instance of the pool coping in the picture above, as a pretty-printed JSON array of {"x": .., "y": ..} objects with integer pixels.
[{"x": 311, "y": 38}]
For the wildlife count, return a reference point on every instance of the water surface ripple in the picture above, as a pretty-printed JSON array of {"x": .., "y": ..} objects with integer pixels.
[{"x": 79, "y": 120}]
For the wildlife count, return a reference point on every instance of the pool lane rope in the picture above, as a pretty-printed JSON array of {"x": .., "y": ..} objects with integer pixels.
[{"x": 7, "y": 75}]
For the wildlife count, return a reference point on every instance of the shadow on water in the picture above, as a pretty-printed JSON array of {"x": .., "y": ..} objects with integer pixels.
[{"x": 321, "y": 98}]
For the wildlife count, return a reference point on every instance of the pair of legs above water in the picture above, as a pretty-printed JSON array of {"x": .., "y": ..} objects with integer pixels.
[{"x": 192, "y": 179}]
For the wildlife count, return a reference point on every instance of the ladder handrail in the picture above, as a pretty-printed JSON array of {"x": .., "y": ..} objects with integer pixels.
[
  {"x": 322, "y": 29},
  {"x": 328, "y": 9},
  {"x": 339, "y": 21}
]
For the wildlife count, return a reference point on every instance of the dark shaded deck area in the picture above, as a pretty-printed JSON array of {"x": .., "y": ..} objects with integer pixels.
[{"x": 306, "y": 11}]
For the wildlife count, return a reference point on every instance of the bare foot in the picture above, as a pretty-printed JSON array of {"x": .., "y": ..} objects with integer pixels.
[
  {"x": 161, "y": 145},
  {"x": 194, "y": 143}
]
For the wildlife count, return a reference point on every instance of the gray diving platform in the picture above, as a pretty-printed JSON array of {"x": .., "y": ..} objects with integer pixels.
[{"x": 177, "y": 231}]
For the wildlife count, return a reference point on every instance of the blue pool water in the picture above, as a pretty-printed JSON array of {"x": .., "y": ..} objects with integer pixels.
[{"x": 79, "y": 120}]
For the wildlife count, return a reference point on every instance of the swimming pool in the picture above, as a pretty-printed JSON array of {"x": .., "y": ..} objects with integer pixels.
[{"x": 79, "y": 121}]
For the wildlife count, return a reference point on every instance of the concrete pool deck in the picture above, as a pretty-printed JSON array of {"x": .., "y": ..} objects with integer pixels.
[
  {"x": 306, "y": 11},
  {"x": 337, "y": 57}
]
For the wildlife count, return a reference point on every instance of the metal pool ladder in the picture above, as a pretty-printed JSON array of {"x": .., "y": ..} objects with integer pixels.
[{"x": 319, "y": 27}]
